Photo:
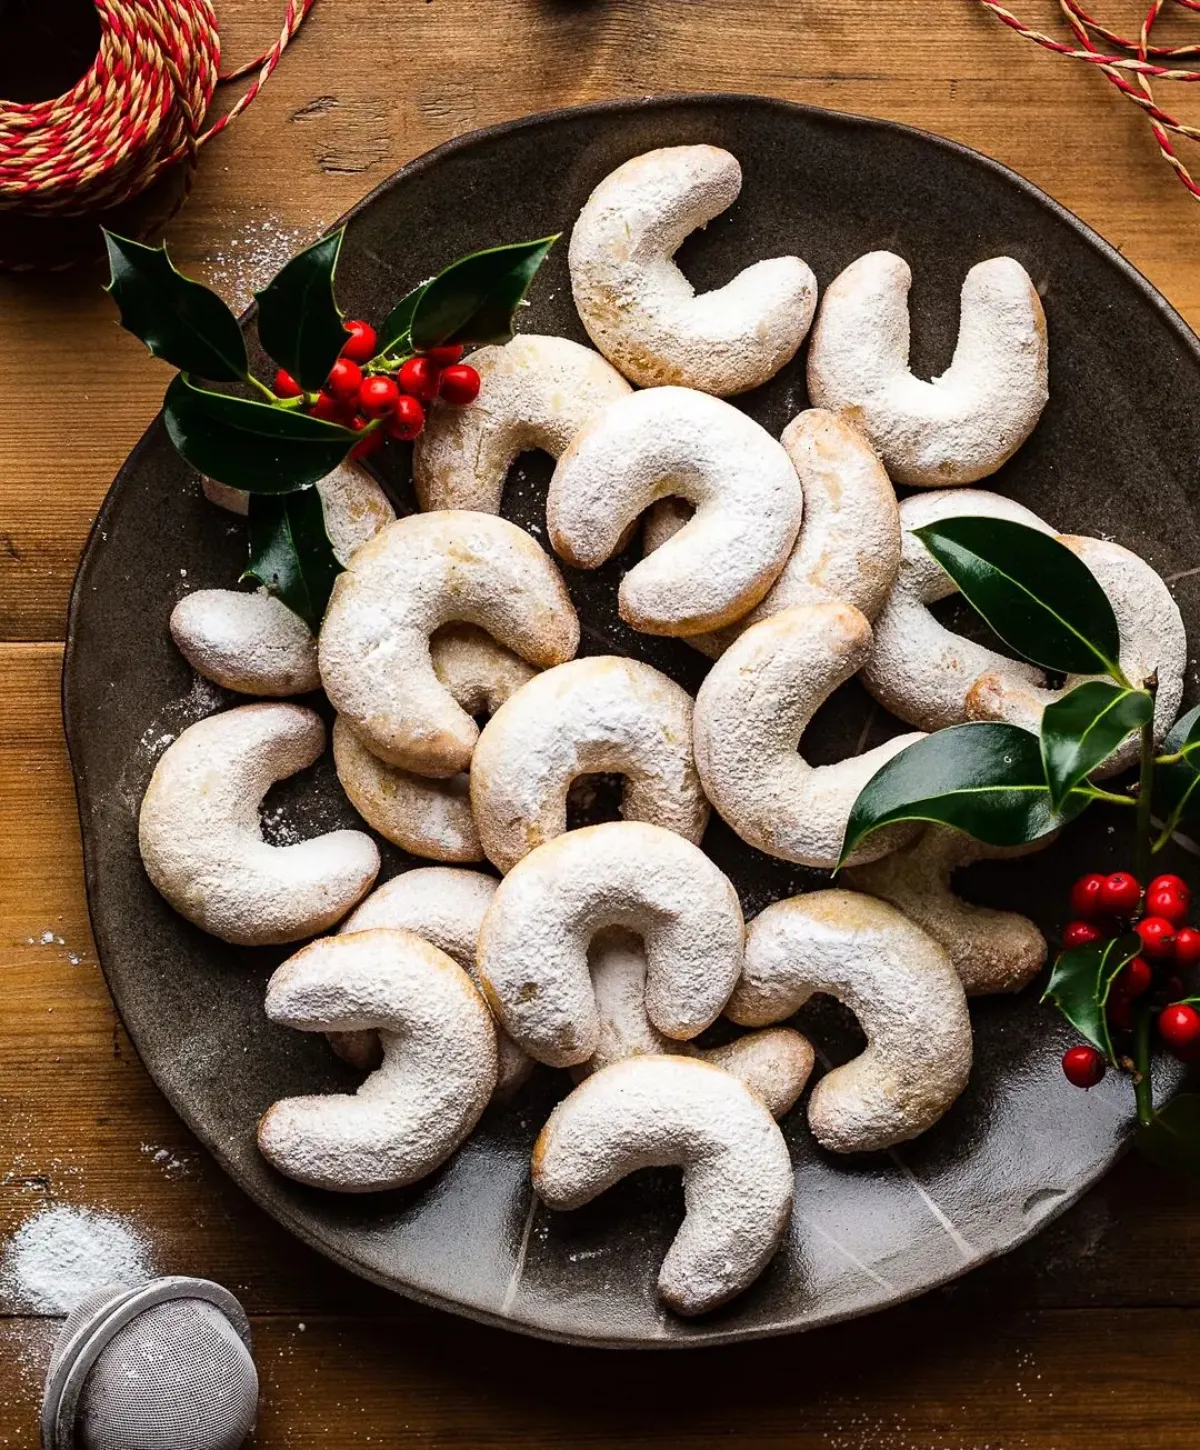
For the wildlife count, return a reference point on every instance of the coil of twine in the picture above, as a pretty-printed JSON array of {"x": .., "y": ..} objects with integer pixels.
[
  {"x": 138, "y": 111},
  {"x": 1130, "y": 63}
]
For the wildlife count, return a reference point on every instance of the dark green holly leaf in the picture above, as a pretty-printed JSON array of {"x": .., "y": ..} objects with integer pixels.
[
  {"x": 1177, "y": 785},
  {"x": 181, "y": 321},
  {"x": 299, "y": 321},
  {"x": 1081, "y": 981},
  {"x": 1038, "y": 596},
  {"x": 395, "y": 331},
  {"x": 1172, "y": 1137},
  {"x": 985, "y": 779},
  {"x": 1082, "y": 730},
  {"x": 251, "y": 445},
  {"x": 474, "y": 299},
  {"x": 290, "y": 551}
]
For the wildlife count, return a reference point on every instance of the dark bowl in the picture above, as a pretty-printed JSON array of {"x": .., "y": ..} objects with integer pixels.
[{"x": 1114, "y": 455}]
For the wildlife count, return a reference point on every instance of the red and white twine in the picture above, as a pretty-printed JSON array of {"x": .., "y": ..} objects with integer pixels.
[
  {"x": 1131, "y": 65},
  {"x": 138, "y": 110}
]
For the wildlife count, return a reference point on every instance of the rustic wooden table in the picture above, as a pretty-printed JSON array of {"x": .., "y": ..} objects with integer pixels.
[{"x": 1088, "y": 1336}]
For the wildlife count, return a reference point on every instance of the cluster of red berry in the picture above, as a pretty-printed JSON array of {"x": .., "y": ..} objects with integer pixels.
[
  {"x": 1103, "y": 906},
  {"x": 398, "y": 397}
]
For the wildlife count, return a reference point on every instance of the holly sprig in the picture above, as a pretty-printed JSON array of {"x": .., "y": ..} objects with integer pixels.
[
  {"x": 267, "y": 443},
  {"x": 1007, "y": 786}
]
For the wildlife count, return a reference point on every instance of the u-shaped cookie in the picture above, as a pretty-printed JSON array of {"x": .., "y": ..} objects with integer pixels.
[
  {"x": 533, "y": 949},
  {"x": 438, "y": 1072},
  {"x": 671, "y": 1111},
  {"x": 900, "y": 985},
  {"x": 751, "y": 714},
  {"x": 639, "y": 308},
  {"x": 961, "y": 426},
  {"x": 594, "y": 715},
  {"x": 678, "y": 442},
  {"x": 201, "y": 838},
  {"x": 418, "y": 574},
  {"x": 535, "y": 392}
]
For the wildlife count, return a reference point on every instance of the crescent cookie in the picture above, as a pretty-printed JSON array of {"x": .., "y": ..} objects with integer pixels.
[
  {"x": 676, "y": 442},
  {"x": 902, "y": 988},
  {"x": 201, "y": 839},
  {"x": 535, "y": 392},
  {"x": 594, "y": 715},
  {"x": 251, "y": 643},
  {"x": 418, "y": 574},
  {"x": 643, "y": 313},
  {"x": 425, "y": 815},
  {"x": 919, "y": 669},
  {"x": 992, "y": 951},
  {"x": 438, "y": 1072},
  {"x": 533, "y": 949},
  {"x": 656, "y": 1112},
  {"x": 961, "y": 426},
  {"x": 751, "y": 714}
]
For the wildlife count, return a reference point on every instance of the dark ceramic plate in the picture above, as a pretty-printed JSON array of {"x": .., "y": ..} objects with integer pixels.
[{"x": 1114, "y": 455}]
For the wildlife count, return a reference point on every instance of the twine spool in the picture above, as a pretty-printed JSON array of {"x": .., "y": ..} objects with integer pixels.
[{"x": 137, "y": 112}]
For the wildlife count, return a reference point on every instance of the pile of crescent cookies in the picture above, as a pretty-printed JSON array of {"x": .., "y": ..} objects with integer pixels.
[{"x": 607, "y": 950}]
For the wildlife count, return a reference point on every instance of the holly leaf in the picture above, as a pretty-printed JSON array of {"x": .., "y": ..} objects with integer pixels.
[
  {"x": 1039, "y": 597},
  {"x": 1171, "y": 1139},
  {"x": 984, "y": 778},
  {"x": 1177, "y": 786},
  {"x": 299, "y": 321},
  {"x": 474, "y": 299},
  {"x": 395, "y": 331},
  {"x": 251, "y": 445},
  {"x": 1081, "y": 981},
  {"x": 1082, "y": 730},
  {"x": 180, "y": 321},
  {"x": 290, "y": 551}
]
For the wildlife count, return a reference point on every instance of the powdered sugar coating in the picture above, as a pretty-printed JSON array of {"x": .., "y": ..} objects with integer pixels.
[
  {"x": 445, "y": 907},
  {"x": 535, "y": 392},
  {"x": 438, "y": 1072},
  {"x": 900, "y": 985},
  {"x": 201, "y": 839},
  {"x": 774, "y": 1064},
  {"x": 642, "y": 312},
  {"x": 355, "y": 506},
  {"x": 674, "y": 441},
  {"x": 590, "y": 716},
  {"x": 252, "y": 643},
  {"x": 655, "y": 1112},
  {"x": 418, "y": 574},
  {"x": 533, "y": 949},
  {"x": 964, "y": 424},
  {"x": 751, "y": 714},
  {"x": 992, "y": 951},
  {"x": 428, "y": 816},
  {"x": 918, "y": 669},
  {"x": 1153, "y": 641}
]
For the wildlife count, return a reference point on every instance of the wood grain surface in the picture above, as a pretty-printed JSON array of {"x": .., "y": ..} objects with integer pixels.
[{"x": 1090, "y": 1335}]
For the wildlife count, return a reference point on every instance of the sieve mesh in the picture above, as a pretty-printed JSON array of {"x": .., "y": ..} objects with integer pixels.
[
  {"x": 178, "y": 1377},
  {"x": 86, "y": 1307}
]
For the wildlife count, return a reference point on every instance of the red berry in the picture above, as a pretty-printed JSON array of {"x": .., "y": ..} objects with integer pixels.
[
  {"x": 460, "y": 384},
  {"x": 408, "y": 418},
  {"x": 345, "y": 379},
  {"x": 1083, "y": 1066},
  {"x": 327, "y": 407},
  {"x": 1179, "y": 1027},
  {"x": 1158, "y": 937},
  {"x": 1187, "y": 946},
  {"x": 1133, "y": 979},
  {"x": 1120, "y": 893},
  {"x": 418, "y": 377},
  {"x": 378, "y": 397},
  {"x": 1082, "y": 934},
  {"x": 286, "y": 386},
  {"x": 1085, "y": 895},
  {"x": 1120, "y": 1012},
  {"x": 373, "y": 440},
  {"x": 1170, "y": 883},
  {"x": 360, "y": 346},
  {"x": 1170, "y": 900},
  {"x": 442, "y": 357}
]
